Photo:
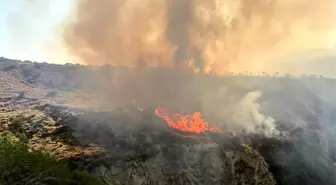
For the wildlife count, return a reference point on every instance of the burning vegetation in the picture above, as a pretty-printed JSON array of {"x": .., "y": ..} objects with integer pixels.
[{"x": 186, "y": 123}]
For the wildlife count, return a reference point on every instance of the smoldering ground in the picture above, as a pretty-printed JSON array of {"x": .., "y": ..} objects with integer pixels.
[
  {"x": 255, "y": 106},
  {"x": 222, "y": 101}
]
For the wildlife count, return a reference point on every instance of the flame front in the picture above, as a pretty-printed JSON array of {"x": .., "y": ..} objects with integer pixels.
[{"x": 186, "y": 123}]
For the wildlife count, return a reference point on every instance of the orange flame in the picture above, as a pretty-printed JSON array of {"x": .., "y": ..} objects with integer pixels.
[{"x": 186, "y": 123}]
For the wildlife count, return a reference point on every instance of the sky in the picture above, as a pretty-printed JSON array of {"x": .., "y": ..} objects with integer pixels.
[{"x": 30, "y": 29}]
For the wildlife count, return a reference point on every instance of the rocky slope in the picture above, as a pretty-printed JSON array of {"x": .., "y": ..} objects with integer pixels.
[
  {"x": 58, "y": 109},
  {"x": 139, "y": 150}
]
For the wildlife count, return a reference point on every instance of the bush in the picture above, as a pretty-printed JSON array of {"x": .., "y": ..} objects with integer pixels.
[
  {"x": 10, "y": 67},
  {"x": 30, "y": 72},
  {"x": 51, "y": 94},
  {"x": 21, "y": 166}
]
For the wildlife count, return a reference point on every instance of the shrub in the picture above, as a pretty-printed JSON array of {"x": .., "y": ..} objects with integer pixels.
[
  {"x": 21, "y": 166},
  {"x": 30, "y": 72},
  {"x": 10, "y": 67},
  {"x": 51, "y": 94}
]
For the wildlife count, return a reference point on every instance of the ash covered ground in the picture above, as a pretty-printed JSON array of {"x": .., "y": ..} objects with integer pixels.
[{"x": 274, "y": 129}]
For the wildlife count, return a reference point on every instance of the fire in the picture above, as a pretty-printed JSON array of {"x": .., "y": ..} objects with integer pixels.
[{"x": 186, "y": 123}]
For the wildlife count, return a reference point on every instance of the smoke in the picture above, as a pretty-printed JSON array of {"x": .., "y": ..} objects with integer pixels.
[
  {"x": 207, "y": 35},
  {"x": 246, "y": 115},
  {"x": 118, "y": 32}
]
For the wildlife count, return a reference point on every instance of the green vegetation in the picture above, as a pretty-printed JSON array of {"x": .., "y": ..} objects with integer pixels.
[{"x": 21, "y": 166}]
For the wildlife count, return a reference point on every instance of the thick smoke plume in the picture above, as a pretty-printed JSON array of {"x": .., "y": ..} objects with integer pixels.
[{"x": 207, "y": 35}]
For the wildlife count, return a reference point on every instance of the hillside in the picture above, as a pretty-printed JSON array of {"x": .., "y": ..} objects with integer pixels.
[{"x": 275, "y": 129}]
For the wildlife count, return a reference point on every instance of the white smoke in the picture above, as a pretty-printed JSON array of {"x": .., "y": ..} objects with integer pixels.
[{"x": 247, "y": 116}]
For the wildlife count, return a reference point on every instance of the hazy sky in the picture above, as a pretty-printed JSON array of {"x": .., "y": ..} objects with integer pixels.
[{"x": 28, "y": 29}]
